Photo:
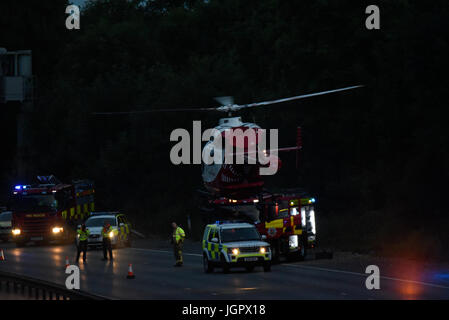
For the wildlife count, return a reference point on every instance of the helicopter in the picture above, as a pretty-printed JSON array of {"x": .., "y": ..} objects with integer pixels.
[{"x": 238, "y": 181}]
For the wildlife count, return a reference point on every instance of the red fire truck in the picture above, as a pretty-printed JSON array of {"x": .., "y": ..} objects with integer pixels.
[
  {"x": 286, "y": 220},
  {"x": 49, "y": 210}
]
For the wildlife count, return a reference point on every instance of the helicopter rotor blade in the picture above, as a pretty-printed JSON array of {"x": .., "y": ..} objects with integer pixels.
[
  {"x": 265, "y": 103},
  {"x": 154, "y": 110},
  {"x": 227, "y": 104}
]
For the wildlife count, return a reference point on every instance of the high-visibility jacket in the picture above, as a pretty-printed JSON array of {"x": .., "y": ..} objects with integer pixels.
[
  {"x": 105, "y": 232},
  {"x": 83, "y": 235},
  {"x": 178, "y": 234}
]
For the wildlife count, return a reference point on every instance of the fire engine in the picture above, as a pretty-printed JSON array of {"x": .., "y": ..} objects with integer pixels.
[
  {"x": 286, "y": 219},
  {"x": 49, "y": 210}
]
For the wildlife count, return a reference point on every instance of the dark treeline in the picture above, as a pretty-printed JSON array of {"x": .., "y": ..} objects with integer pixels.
[{"x": 376, "y": 158}]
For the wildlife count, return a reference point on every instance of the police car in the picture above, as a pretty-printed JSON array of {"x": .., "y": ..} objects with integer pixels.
[
  {"x": 121, "y": 229},
  {"x": 230, "y": 244}
]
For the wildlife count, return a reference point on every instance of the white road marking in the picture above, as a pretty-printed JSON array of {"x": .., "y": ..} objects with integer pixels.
[
  {"x": 316, "y": 268},
  {"x": 364, "y": 275},
  {"x": 166, "y": 251}
]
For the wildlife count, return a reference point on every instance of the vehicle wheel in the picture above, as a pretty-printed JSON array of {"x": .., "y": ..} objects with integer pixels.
[
  {"x": 207, "y": 266},
  {"x": 250, "y": 268},
  {"x": 225, "y": 265},
  {"x": 267, "y": 267}
]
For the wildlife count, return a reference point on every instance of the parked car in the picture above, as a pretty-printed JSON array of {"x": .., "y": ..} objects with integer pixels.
[{"x": 121, "y": 234}]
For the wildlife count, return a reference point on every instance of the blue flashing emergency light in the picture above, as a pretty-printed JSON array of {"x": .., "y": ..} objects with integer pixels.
[
  {"x": 312, "y": 200},
  {"x": 18, "y": 187},
  {"x": 228, "y": 221}
]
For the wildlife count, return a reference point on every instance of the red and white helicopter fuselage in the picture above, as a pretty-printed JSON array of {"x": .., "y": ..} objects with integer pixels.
[{"x": 230, "y": 178}]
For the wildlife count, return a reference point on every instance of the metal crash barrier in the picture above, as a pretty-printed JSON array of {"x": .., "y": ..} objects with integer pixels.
[{"x": 36, "y": 289}]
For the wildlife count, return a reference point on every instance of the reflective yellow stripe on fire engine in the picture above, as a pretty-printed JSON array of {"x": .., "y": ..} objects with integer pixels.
[
  {"x": 92, "y": 207},
  {"x": 72, "y": 213},
  {"x": 278, "y": 223},
  {"x": 305, "y": 201},
  {"x": 64, "y": 214},
  {"x": 78, "y": 211},
  {"x": 297, "y": 229}
]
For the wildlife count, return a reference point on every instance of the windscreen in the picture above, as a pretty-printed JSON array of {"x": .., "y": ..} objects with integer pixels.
[
  {"x": 239, "y": 234},
  {"x": 99, "y": 222},
  {"x": 33, "y": 203},
  {"x": 6, "y": 216}
]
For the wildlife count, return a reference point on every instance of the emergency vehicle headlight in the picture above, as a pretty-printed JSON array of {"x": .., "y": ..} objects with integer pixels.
[
  {"x": 235, "y": 251},
  {"x": 57, "y": 230},
  {"x": 111, "y": 234},
  {"x": 293, "y": 241},
  {"x": 263, "y": 250},
  {"x": 16, "y": 232}
]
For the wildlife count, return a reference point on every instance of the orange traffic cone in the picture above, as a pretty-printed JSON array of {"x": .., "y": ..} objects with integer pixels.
[
  {"x": 130, "y": 272},
  {"x": 67, "y": 264},
  {"x": 2, "y": 256}
]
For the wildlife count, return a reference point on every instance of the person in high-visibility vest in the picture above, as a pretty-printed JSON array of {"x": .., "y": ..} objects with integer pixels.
[
  {"x": 107, "y": 246},
  {"x": 178, "y": 239},
  {"x": 83, "y": 235}
]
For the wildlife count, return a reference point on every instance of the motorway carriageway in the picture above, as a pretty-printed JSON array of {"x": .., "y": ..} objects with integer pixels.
[{"x": 156, "y": 278}]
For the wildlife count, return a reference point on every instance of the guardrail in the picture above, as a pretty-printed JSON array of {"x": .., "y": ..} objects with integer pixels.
[{"x": 40, "y": 289}]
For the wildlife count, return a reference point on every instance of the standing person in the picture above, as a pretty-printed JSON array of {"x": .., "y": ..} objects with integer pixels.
[
  {"x": 107, "y": 246},
  {"x": 177, "y": 240},
  {"x": 83, "y": 235}
]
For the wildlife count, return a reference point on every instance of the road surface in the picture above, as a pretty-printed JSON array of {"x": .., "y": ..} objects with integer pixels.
[{"x": 156, "y": 278}]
